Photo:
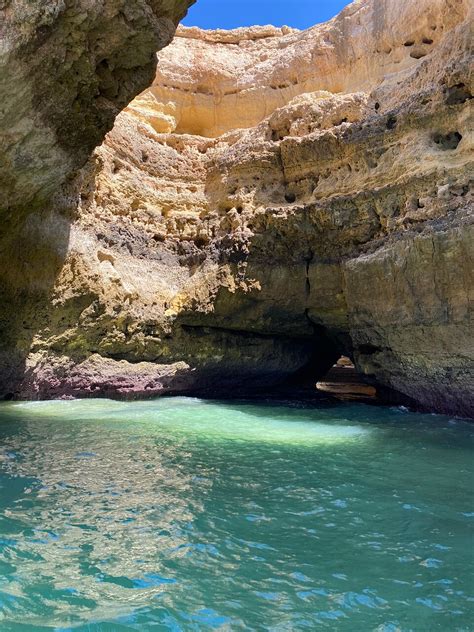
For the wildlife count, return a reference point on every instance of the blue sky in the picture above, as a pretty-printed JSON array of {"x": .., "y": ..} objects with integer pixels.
[{"x": 228, "y": 14}]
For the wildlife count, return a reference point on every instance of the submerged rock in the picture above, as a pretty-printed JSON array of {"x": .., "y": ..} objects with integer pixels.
[{"x": 274, "y": 199}]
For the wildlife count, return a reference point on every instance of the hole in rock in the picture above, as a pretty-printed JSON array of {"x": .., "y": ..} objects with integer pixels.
[
  {"x": 201, "y": 241},
  {"x": 290, "y": 197},
  {"x": 368, "y": 349},
  {"x": 344, "y": 382},
  {"x": 322, "y": 354},
  {"x": 116, "y": 166},
  {"x": 377, "y": 106},
  {"x": 418, "y": 54},
  {"x": 391, "y": 122},
  {"x": 447, "y": 142},
  {"x": 457, "y": 94},
  {"x": 409, "y": 43},
  {"x": 427, "y": 40}
]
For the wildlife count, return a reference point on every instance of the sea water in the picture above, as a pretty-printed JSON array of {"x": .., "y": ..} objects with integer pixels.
[{"x": 183, "y": 514}]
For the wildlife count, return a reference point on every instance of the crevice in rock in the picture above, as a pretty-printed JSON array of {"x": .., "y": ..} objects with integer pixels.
[{"x": 309, "y": 260}]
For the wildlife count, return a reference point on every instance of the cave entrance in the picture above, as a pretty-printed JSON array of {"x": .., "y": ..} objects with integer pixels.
[{"x": 344, "y": 382}]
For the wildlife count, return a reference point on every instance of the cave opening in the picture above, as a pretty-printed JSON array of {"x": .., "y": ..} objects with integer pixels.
[
  {"x": 344, "y": 382},
  {"x": 331, "y": 371}
]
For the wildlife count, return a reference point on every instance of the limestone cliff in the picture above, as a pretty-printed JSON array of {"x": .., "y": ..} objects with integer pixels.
[{"x": 274, "y": 199}]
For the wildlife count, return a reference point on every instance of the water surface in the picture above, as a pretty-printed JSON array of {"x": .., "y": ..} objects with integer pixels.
[{"x": 180, "y": 514}]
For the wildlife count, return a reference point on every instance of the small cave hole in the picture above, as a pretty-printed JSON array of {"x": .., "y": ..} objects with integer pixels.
[
  {"x": 201, "y": 241},
  {"x": 145, "y": 156},
  {"x": 457, "y": 94},
  {"x": 391, "y": 122},
  {"x": 290, "y": 197},
  {"x": 418, "y": 54},
  {"x": 447, "y": 142},
  {"x": 409, "y": 43},
  {"x": 377, "y": 106},
  {"x": 427, "y": 40}
]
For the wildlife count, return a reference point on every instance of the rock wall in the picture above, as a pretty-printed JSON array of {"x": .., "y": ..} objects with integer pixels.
[
  {"x": 274, "y": 199},
  {"x": 67, "y": 68}
]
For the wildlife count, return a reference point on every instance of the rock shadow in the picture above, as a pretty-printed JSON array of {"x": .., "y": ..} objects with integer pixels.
[{"x": 33, "y": 248}]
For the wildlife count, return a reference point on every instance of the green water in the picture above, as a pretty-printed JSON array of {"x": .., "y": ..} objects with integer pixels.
[{"x": 180, "y": 514}]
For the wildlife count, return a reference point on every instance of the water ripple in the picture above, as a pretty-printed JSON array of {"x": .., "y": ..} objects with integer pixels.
[{"x": 189, "y": 515}]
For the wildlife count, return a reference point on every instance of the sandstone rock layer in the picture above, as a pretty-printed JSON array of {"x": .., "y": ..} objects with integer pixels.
[{"x": 274, "y": 199}]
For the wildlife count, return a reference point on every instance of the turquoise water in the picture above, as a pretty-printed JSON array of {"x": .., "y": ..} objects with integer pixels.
[{"x": 180, "y": 514}]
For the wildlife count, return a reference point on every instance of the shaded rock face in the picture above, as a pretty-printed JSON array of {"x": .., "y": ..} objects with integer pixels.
[
  {"x": 67, "y": 68},
  {"x": 274, "y": 199}
]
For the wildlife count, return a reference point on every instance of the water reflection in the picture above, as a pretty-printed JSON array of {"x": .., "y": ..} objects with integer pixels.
[{"x": 92, "y": 513}]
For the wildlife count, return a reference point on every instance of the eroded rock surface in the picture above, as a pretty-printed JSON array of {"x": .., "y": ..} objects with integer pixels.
[
  {"x": 67, "y": 68},
  {"x": 275, "y": 199}
]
